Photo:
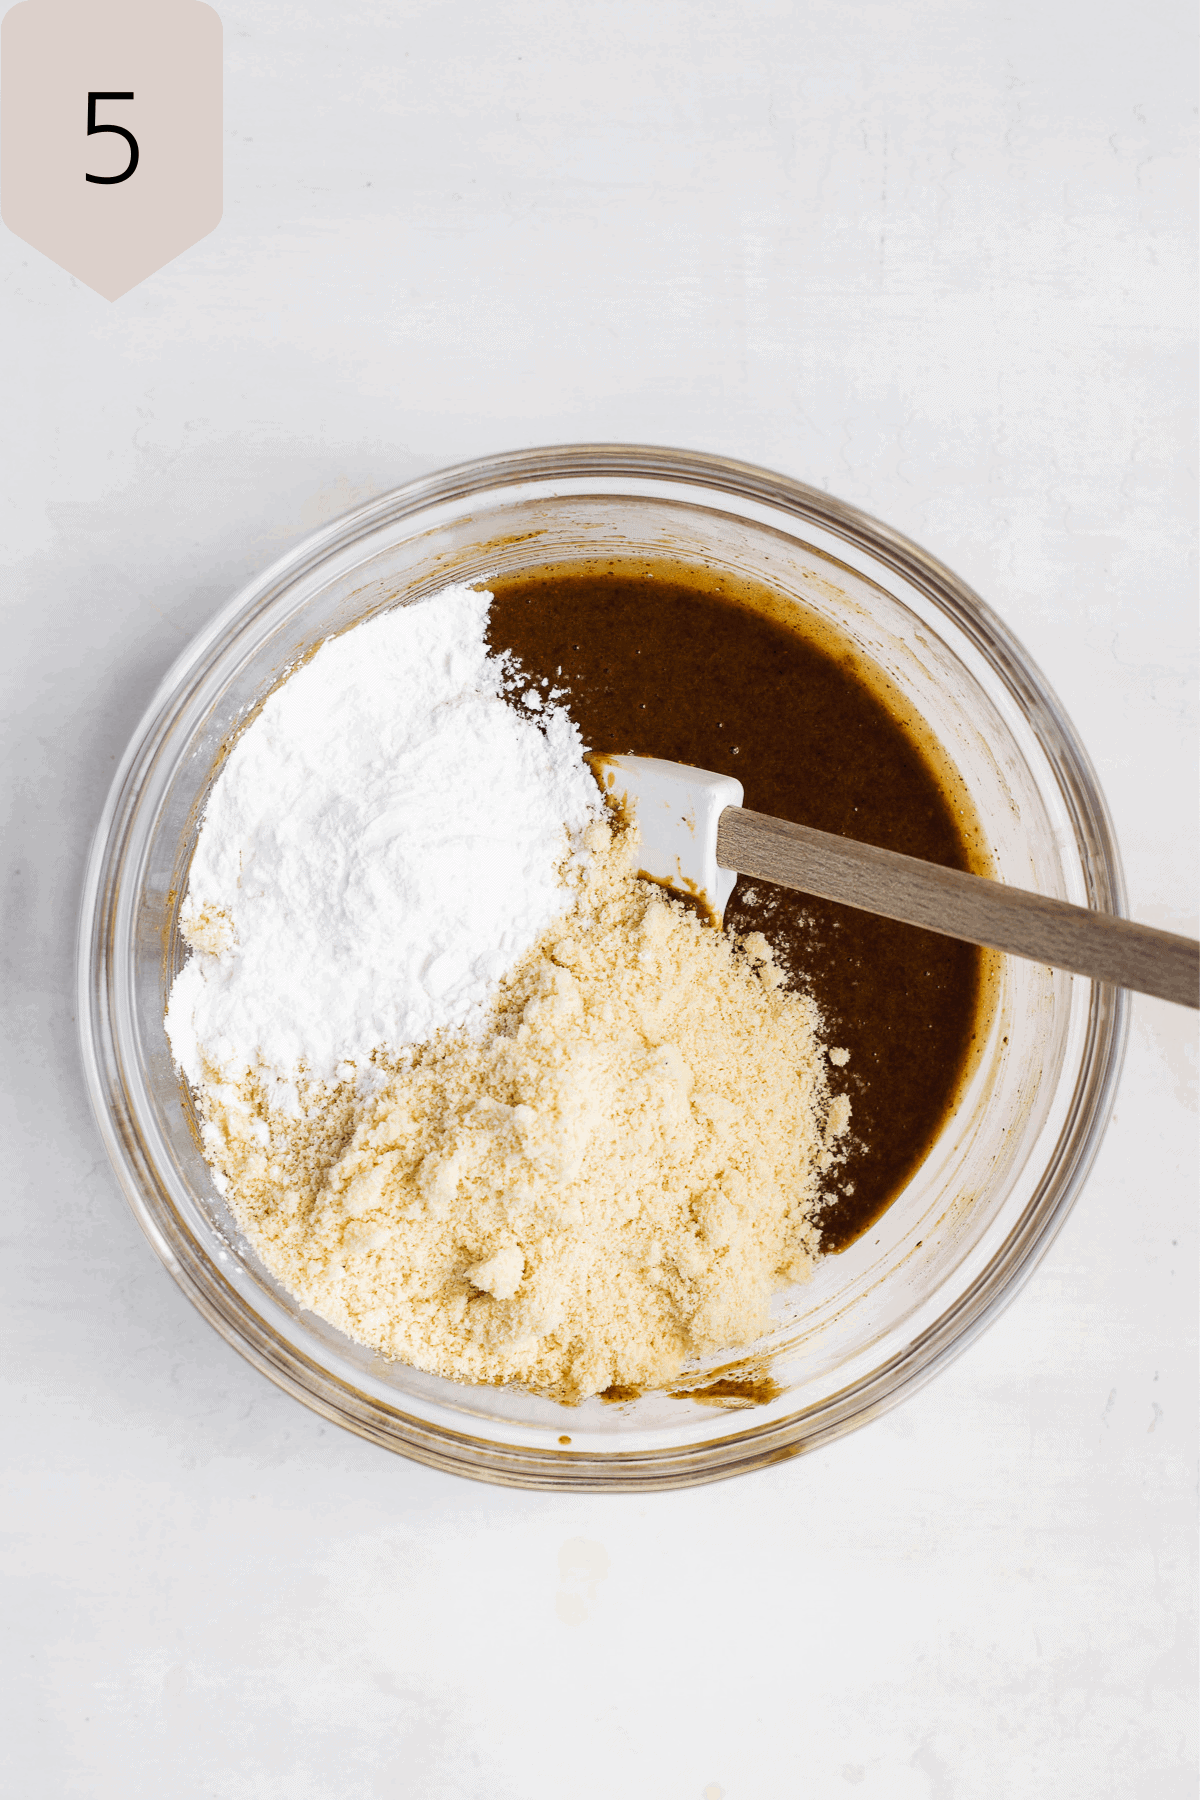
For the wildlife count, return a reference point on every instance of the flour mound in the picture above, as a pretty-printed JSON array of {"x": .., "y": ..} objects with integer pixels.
[
  {"x": 385, "y": 841},
  {"x": 613, "y": 1177}
]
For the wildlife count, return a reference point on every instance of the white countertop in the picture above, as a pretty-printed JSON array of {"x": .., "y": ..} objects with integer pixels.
[{"x": 933, "y": 259}]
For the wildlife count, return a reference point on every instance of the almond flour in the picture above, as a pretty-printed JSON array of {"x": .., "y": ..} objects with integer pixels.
[{"x": 610, "y": 1178}]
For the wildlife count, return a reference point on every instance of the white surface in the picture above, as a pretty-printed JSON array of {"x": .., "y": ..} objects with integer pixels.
[{"x": 936, "y": 258}]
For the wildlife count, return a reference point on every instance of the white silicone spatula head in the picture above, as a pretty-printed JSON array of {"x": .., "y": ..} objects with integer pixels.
[{"x": 677, "y": 809}]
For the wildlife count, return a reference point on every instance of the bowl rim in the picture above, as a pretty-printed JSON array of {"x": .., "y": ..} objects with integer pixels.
[{"x": 458, "y": 1452}]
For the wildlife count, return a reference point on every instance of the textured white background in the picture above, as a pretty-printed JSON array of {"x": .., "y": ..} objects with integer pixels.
[{"x": 934, "y": 256}]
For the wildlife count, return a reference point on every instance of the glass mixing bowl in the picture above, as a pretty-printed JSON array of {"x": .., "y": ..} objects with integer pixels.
[{"x": 878, "y": 1319}]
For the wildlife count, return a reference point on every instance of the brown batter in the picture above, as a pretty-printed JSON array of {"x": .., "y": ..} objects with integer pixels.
[{"x": 659, "y": 661}]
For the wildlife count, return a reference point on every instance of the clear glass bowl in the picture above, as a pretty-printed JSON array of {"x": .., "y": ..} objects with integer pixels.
[{"x": 877, "y": 1320}]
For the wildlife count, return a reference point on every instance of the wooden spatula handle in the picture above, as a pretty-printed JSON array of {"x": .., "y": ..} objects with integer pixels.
[{"x": 961, "y": 906}]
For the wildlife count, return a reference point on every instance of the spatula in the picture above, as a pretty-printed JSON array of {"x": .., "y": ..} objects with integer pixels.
[{"x": 696, "y": 837}]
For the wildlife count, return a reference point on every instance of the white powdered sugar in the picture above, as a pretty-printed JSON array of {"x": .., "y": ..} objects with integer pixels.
[{"x": 384, "y": 842}]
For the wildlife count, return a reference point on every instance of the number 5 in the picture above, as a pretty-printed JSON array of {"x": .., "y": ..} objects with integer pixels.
[{"x": 119, "y": 130}]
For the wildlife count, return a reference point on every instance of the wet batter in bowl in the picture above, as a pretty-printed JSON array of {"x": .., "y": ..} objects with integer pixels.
[{"x": 660, "y": 660}]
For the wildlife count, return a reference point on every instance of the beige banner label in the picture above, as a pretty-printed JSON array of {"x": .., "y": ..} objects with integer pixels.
[{"x": 110, "y": 133}]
